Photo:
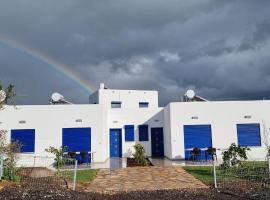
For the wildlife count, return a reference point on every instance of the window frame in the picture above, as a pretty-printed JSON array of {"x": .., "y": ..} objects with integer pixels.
[
  {"x": 119, "y": 103},
  {"x": 144, "y": 104}
]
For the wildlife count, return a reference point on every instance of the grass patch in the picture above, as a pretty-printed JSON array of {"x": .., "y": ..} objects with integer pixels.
[
  {"x": 250, "y": 170},
  {"x": 203, "y": 173},
  {"x": 83, "y": 176}
]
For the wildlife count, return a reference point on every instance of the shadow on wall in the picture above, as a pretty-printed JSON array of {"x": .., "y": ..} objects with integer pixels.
[{"x": 156, "y": 121}]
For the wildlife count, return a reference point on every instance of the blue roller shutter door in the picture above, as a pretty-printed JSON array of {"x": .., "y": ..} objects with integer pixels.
[
  {"x": 249, "y": 134},
  {"x": 26, "y": 138},
  {"x": 197, "y": 136},
  {"x": 78, "y": 140}
]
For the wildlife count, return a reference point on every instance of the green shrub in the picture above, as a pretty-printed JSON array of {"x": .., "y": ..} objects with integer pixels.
[
  {"x": 59, "y": 160},
  {"x": 140, "y": 155},
  {"x": 9, "y": 173},
  {"x": 234, "y": 156}
]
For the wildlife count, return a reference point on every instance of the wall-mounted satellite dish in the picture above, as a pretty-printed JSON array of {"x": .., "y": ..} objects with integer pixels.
[
  {"x": 190, "y": 94},
  {"x": 3, "y": 96},
  {"x": 56, "y": 97}
]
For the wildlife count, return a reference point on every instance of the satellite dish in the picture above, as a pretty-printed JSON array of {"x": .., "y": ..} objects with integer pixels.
[
  {"x": 190, "y": 94},
  {"x": 3, "y": 96},
  {"x": 56, "y": 97}
]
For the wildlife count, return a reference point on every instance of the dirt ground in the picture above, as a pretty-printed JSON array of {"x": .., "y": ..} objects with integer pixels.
[{"x": 59, "y": 193}]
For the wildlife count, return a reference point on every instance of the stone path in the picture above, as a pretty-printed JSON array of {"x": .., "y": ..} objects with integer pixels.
[{"x": 143, "y": 178}]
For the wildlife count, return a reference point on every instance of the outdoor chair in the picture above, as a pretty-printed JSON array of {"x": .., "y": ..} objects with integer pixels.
[
  {"x": 210, "y": 152},
  {"x": 78, "y": 157},
  {"x": 195, "y": 154},
  {"x": 85, "y": 157}
]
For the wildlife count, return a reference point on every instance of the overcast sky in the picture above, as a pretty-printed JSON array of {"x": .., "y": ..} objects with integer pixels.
[{"x": 219, "y": 48}]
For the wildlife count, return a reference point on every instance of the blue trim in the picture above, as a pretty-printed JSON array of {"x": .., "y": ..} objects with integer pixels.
[
  {"x": 249, "y": 135},
  {"x": 129, "y": 133},
  {"x": 26, "y": 138},
  {"x": 143, "y": 133},
  {"x": 77, "y": 139}
]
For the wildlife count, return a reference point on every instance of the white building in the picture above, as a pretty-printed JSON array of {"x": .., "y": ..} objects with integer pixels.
[{"x": 116, "y": 119}]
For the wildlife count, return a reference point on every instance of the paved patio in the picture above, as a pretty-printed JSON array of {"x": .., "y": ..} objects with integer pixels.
[{"x": 143, "y": 178}]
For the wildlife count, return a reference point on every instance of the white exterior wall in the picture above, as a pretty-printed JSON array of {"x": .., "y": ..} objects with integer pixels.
[
  {"x": 129, "y": 98},
  {"x": 118, "y": 118},
  {"x": 49, "y": 120},
  {"x": 223, "y": 118}
]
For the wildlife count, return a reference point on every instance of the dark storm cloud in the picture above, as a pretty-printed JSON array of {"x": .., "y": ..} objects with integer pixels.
[{"x": 219, "y": 48}]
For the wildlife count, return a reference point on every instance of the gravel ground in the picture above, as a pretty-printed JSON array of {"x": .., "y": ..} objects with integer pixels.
[
  {"x": 50, "y": 191},
  {"x": 27, "y": 193}
]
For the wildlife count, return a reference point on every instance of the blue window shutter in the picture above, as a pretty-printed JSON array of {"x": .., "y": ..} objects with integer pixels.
[
  {"x": 143, "y": 133},
  {"x": 249, "y": 134},
  {"x": 77, "y": 139},
  {"x": 129, "y": 132},
  {"x": 26, "y": 138}
]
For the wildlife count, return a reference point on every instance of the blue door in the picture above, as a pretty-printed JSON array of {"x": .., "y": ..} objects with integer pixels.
[
  {"x": 157, "y": 142},
  {"x": 197, "y": 136},
  {"x": 115, "y": 143}
]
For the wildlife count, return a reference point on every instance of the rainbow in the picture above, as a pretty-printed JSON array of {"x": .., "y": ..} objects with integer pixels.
[{"x": 49, "y": 61}]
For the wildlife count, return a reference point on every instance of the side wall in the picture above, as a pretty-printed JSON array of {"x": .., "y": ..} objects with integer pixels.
[
  {"x": 48, "y": 121},
  {"x": 167, "y": 133},
  {"x": 223, "y": 118}
]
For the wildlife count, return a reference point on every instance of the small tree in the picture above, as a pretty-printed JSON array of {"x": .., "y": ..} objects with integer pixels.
[
  {"x": 59, "y": 160},
  {"x": 140, "y": 155},
  {"x": 234, "y": 155},
  {"x": 10, "y": 151}
]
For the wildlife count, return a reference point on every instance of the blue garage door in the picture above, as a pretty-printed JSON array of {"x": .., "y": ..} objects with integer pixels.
[
  {"x": 197, "y": 136},
  {"x": 249, "y": 134},
  {"x": 115, "y": 143},
  {"x": 77, "y": 139},
  {"x": 26, "y": 139},
  {"x": 157, "y": 142}
]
